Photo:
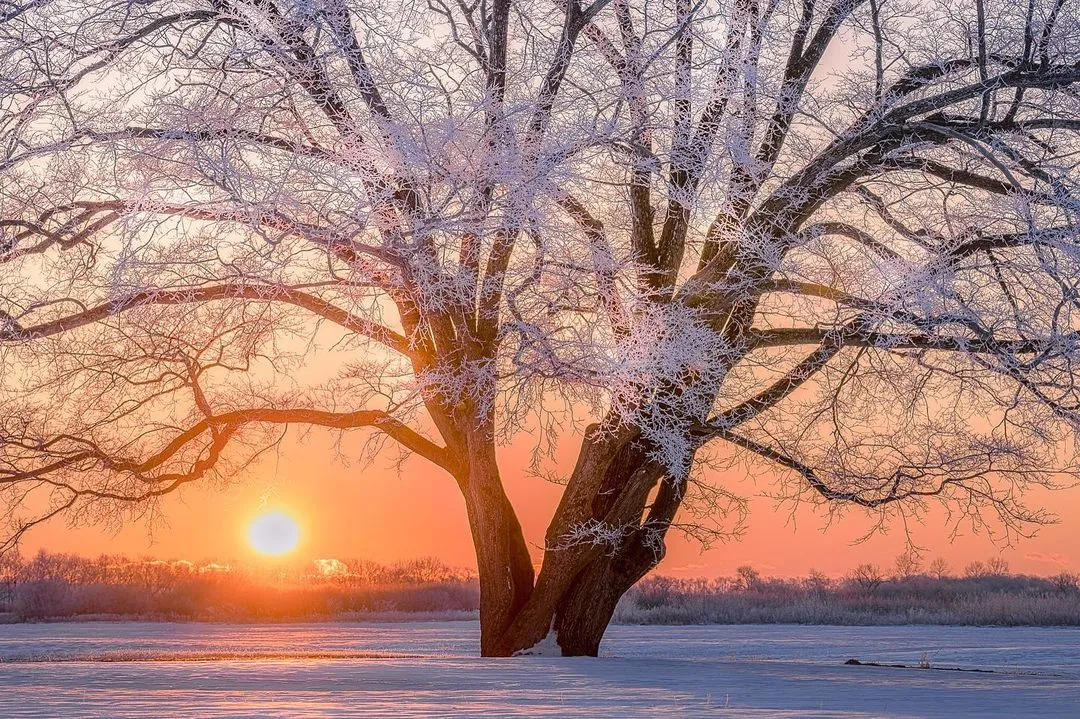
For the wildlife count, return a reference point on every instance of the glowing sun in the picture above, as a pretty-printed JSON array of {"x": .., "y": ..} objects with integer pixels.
[{"x": 274, "y": 533}]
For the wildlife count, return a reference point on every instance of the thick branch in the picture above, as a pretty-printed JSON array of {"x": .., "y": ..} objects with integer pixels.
[
  {"x": 783, "y": 337},
  {"x": 12, "y": 331}
]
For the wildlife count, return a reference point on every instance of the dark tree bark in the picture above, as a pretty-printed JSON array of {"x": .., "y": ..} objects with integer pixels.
[{"x": 581, "y": 583}]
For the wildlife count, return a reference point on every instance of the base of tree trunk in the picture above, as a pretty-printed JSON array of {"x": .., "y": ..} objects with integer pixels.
[
  {"x": 583, "y": 613},
  {"x": 586, "y": 610}
]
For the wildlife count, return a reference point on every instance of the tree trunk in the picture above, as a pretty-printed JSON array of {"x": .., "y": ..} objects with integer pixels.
[
  {"x": 504, "y": 567},
  {"x": 586, "y": 609},
  {"x": 502, "y": 557},
  {"x": 580, "y": 613},
  {"x": 581, "y": 582}
]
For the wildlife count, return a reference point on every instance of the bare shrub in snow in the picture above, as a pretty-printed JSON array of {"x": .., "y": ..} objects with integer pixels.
[{"x": 53, "y": 586}]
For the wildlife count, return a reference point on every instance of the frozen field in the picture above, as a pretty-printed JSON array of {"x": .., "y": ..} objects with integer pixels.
[{"x": 421, "y": 670}]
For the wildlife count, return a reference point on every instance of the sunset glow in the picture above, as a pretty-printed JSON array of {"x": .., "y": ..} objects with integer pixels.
[{"x": 274, "y": 534}]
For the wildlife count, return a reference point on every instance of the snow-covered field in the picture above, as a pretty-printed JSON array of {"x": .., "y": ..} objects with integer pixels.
[{"x": 430, "y": 669}]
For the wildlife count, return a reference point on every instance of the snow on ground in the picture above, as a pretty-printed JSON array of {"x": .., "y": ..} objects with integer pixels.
[{"x": 427, "y": 670}]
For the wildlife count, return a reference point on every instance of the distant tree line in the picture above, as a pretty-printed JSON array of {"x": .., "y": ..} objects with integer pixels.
[
  {"x": 984, "y": 594},
  {"x": 66, "y": 586},
  {"x": 51, "y": 585}
]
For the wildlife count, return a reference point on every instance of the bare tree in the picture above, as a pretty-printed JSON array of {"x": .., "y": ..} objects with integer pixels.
[
  {"x": 1066, "y": 582},
  {"x": 817, "y": 583},
  {"x": 939, "y": 568},
  {"x": 11, "y": 565},
  {"x": 746, "y": 578},
  {"x": 908, "y": 564},
  {"x": 832, "y": 241},
  {"x": 997, "y": 566},
  {"x": 867, "y": 577}
]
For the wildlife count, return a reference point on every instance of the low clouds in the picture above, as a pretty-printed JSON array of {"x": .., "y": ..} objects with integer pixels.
[{"x": 1061, "y": 560}]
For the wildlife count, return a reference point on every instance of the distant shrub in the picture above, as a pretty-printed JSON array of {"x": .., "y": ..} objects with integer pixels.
[
  {"x": 746, "y": 577},
  {"x": 1066, "y": 582},
  {"x": 817, "y": 584}
]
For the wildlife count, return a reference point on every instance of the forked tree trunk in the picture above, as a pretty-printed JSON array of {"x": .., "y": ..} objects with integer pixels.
[
  {"x": 580, "y": 585},
  {"x": 579, "y": 613}
]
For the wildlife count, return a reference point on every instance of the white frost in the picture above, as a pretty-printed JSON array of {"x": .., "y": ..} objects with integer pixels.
[{"x": 546, "y": 647}]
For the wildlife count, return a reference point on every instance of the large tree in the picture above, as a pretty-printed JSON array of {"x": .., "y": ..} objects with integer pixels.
[{"x": 834, "y": 237}]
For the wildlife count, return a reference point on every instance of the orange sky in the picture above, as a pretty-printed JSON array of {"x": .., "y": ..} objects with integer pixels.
[{"x": 378, "y": 514}]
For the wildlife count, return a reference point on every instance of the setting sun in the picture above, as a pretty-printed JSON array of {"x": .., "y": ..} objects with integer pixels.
[{"x": 274, "y": 533}]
